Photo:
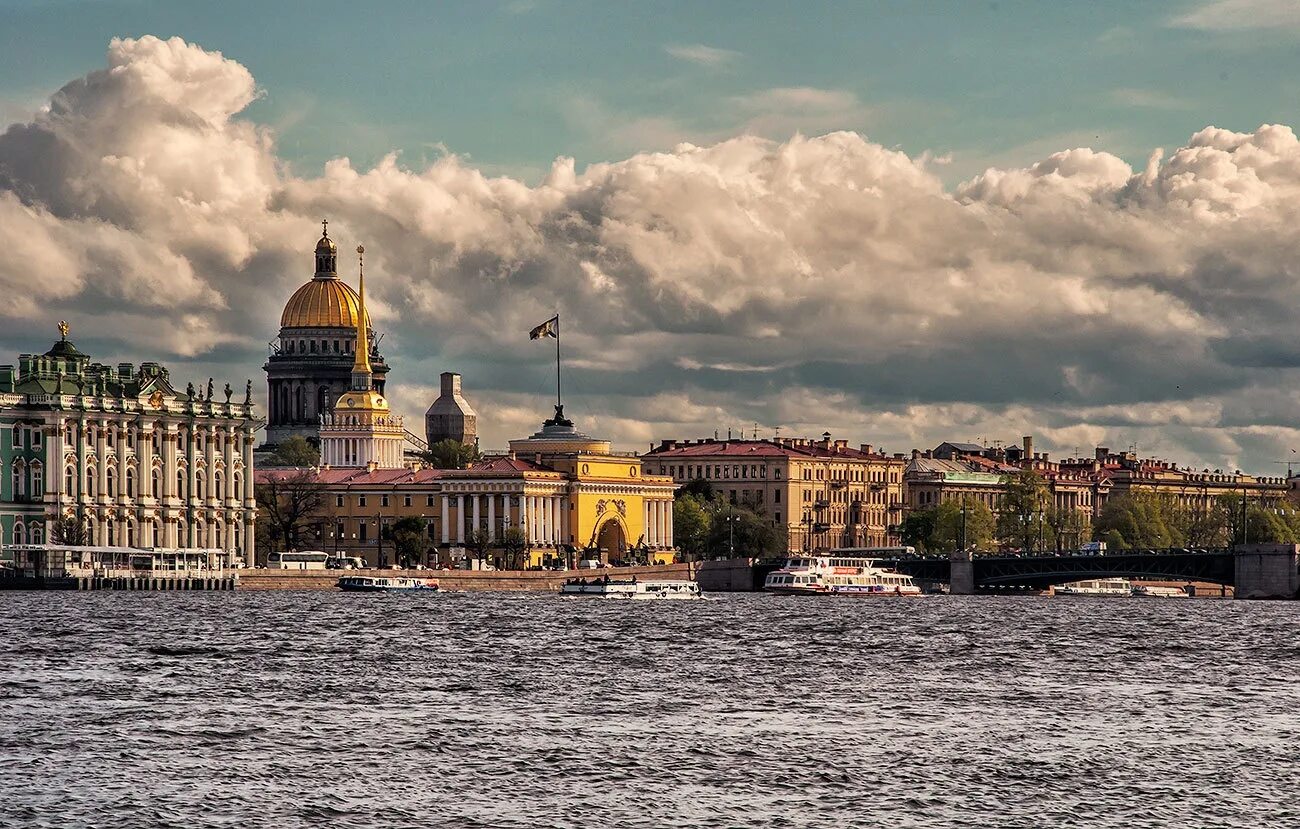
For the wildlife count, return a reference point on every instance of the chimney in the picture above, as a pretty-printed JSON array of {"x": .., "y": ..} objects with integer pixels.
[
  {"x": 450, "y": 383},
  {"x": 866, "y": 448},
  {"x": 1102, "y": 452},
  {"x": 916, "y": 454},
  {"x": 1029, "y": 446}
]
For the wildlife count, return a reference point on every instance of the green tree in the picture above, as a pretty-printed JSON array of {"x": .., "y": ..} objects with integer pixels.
[
  {"x": 1023, "y": 512},
  {"x": 946, "y": 533},
  {"x": 753, "y": 533},
  {"x": 1066, "y": 526},
  {"x": 407, "y": 535},
  {"x": 451, "y": 454},
  {"x": 1141, "y": 519},
  {"x": 691, "y": 525},
  {"x": 700, "y": 488},
  {"x": 295, "y": 450},
  {"x": 917, "y": 528}
]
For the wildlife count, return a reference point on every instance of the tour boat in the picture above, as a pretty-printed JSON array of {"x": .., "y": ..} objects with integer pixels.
[
  {"x": 1095, "y": 587},
  {"x": 385, "y": 584},
  {"x": 632, "y": 588},
  {"x": 834, "y": 574},
  {"x": 1154, "y": 591}
]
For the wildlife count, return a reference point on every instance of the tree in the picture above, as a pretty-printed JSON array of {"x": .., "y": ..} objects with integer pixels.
[
  {"x": 1066, "y": 526},
  {"x": 700, "y": 489},
  {"x": 407, "y": 535},
  {"x": 748, "y": 531},
  {"x": 918, "y": 528},
  {"x": 1140, "y": 519},
  {"x": 480, "y": 542},
  {"x": 68, "y": 530},
  {"x": 946, "y": 532},
  {"x": 691, "y": 524},
  {"x": 295, "y": 450},
  {"x": 513, "y": 545},
  {"x": 288, "y": 504},
  {"x": 1022, "y": 513},
  {"x": 451, "y": 454}
]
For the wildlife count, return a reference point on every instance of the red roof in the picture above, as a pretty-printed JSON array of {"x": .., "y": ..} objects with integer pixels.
[
  {"x": 360, "y": 477},
  {"x": 760, "y": 449}
]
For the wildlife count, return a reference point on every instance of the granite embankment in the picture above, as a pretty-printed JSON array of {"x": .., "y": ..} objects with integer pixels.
[{"x": 729, "y": 575}]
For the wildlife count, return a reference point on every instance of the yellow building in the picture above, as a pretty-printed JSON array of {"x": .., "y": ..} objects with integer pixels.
[{"x": 568, "y": 494}]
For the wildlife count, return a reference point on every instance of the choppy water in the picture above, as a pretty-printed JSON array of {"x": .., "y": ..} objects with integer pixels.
[{"x": 302, "y": 709}]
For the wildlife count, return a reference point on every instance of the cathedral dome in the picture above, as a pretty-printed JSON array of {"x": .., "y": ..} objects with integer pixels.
[{"x": 323, "y": 303}]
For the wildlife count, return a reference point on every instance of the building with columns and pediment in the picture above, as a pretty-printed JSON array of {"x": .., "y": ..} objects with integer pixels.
[
  {"x": 569, "y": 494},
  {"x": 118, "y": 450}
]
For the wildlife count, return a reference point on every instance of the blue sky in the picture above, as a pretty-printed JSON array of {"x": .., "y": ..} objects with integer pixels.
[{"x": 514, "y": 84}]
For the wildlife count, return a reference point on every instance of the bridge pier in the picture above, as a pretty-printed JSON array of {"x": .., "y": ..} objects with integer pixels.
[
  {"x": 961, "y": 578},
  {"x": 1266, "y": 571}
]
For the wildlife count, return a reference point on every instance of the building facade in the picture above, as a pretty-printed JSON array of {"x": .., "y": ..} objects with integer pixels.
[
  {"x": 821, "y": 494},
  {"x": 567, "y": 493},
  {"x": 118, "y": 455},
  {"x": 310, "y": 362}
]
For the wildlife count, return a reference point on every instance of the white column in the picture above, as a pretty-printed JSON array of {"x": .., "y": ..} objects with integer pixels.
[
  {"x": 659, "y": 523},
  {"x": 492, "y": 517},
  {"x": 532, "y": 519},
  {"x": 645, "y": 520},
  {"x": 460, "y": 519},
  {"x": 477, "y": 499},
  {"x": 446, "y": 518}
]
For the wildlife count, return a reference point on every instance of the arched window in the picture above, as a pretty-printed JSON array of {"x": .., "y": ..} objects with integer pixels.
[
  {"x": 90, "y": 479},
  {"x": 239, "y": 485},
  {"x": 112, "y": 533},
  {"x": 38, "y": 534},
  {"x": 155, "y": 482},
  {"x": 198, "y": 484},
  {"x": 299, "y": 404},
  {"x": 17, "y": 476},
  {"x": 218, "y": 491},
  {"x": 130, "y": 534},
  {"x": 38, "y": 481},
  {"x": 322, "y": 399},
  {"x": 157, "y": 533},
  {"x": 182, "y": 533},
  {"x": 130, "y": 483},
  {"x": 70, "y": 481},
  {"x": 112, "y": 482},
  {"x": 180, "y": 483},
  {"x": 19, "y": 533}
]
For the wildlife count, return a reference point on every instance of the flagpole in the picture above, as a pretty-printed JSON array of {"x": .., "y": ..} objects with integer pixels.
[{"x": 559, "y": 402}]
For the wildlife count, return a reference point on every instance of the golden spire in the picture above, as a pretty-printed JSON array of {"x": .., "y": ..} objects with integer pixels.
[
  {"x": 63, "y": 329},
  {"x": 361, "y": 370}
]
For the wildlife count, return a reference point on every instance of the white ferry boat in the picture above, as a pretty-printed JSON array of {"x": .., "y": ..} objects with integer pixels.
[
  {"x": 841, "y": 573},
  {"x": 385, "y": 584},
  {"x": 1095, "y": 587},
  {"x": 607, "y": 588},
  {"x": 1155, "y": 591}
]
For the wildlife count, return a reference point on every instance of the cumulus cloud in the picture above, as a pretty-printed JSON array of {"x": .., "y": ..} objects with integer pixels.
[
  {"x": 1228, "y": 15},
  {"x": 815, "y": 283}
]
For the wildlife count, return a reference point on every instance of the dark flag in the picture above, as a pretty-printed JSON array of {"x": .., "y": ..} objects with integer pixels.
[{"x": 546, "y": 329}]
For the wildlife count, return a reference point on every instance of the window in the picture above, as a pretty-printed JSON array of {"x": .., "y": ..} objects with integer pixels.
[
  {"x": 363, "y": 536},
  {"x": 36, "y": 444},
  {"x": 383, "y": 500},
  {"x": 406, "y": 500},
  {"x": 338, "y": 530},
  {"x": 38, "y": 486},
  {"x": 361, "y": 501},
  {"x": 776, "y": 497},
  {"x": 428, "y": 500},
  {"x": 338, "y": 500}
]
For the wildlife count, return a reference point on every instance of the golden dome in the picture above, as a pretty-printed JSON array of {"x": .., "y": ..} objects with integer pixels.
[
  {"x": 323, "y": 303},
  {"x": 368, "y": 400}
]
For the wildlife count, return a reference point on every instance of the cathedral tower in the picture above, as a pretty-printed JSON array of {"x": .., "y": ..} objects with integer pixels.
[{"x": 310, "y": 365}]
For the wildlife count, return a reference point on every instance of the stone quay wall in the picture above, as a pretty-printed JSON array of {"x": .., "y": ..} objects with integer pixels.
[{"x": 730, "y": 575}]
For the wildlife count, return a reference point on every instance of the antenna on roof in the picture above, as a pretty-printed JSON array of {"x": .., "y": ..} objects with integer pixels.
[{"x": 755, "y": 430}]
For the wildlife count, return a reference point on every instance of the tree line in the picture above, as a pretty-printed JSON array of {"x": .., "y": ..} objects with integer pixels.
[
  {"x": 1027, "y": 518},
  {"x": 708, "y": 525}
]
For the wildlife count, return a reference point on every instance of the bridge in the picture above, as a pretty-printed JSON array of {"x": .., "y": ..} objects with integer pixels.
[{"x": 1255, "y": 571}]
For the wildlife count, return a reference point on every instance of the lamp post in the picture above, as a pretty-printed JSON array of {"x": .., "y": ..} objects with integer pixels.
[{"x": 379, "y": 539}]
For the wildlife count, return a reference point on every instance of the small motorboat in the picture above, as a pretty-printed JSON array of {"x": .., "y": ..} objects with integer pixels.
[
  {"x": 385, "y": 584},
  {"x": 607, "y": 588}
]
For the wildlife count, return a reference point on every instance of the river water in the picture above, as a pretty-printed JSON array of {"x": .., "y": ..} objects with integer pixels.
[{"x": 477, "y": 710}]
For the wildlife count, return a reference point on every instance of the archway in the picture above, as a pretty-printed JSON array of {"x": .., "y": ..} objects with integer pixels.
[{"x": 611, "y": 540}]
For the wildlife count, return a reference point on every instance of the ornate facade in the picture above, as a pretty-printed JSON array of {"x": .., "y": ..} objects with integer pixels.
[
  {"x": 310, "y": 365},
  {"x": 117, "y": 452}
]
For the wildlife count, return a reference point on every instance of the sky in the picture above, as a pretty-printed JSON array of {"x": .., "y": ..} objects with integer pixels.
[{"x": 902, "y": 223}]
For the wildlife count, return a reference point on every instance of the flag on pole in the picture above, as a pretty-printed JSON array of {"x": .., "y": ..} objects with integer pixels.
[{"x": 546, "y": 329}]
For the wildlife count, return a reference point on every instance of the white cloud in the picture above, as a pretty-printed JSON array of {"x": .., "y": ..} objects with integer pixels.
[
  {"x": 810, "y": 283},
  {"x": 1229, "y": 15},
  {"x": 700, "y": 54}
]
